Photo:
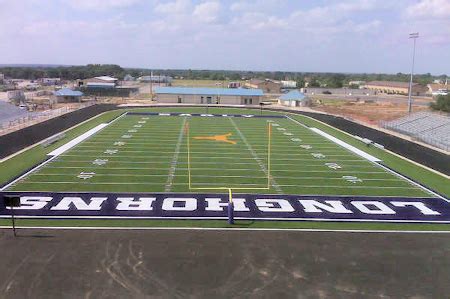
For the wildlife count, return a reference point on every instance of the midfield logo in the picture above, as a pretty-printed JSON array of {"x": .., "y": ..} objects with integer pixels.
[{"x": 219, "y": 138}]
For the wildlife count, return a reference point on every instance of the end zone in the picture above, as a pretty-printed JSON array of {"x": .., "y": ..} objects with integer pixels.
[{"x": 214, "y": 207}]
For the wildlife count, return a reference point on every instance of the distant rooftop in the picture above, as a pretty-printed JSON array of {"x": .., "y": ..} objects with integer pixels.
[
  {"x": 293, "y": 95},
  {"x": 106, "y": 78},
  {"x": 209, "y": 91},
  {"x": 67, "y": 92}
]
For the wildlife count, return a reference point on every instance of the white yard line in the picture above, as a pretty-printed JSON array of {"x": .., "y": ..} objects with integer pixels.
[
  {"x": 56, "y": 153},
  {"x": 210, "y": 176},
  {"x": 411, "y": 182},
  {"x": 26, "y": 174},
  {"x": 374, "y": 161},
  {"x": 256, "y": 158},
  {"x": 193, "y": 158},
  {"x": 217, "y": 184},
  {"x": 173, "y": 163},
  {"x": 206, "y": 163}
]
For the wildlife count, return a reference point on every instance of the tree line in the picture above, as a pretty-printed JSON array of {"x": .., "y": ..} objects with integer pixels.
[{"x": 331, "y": 80}]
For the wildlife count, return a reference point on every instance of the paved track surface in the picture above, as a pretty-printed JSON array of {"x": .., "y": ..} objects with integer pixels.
[{"x": 223, "y": 264}]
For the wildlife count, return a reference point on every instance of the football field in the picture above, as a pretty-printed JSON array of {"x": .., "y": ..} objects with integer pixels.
[{"x": 274, "y": 154}]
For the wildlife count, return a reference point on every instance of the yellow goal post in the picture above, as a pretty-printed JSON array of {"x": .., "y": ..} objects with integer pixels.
[{"x": 229, "y": 189}]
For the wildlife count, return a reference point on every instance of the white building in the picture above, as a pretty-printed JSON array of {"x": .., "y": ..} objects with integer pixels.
[
  {"x": 289, "y": 84},
  {"x": 294, "y": 99},
  {"x": 227, "y": 96},
  {"x": 156, "y": 79}
]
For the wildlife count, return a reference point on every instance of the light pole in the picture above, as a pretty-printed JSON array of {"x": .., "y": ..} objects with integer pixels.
[{"x": 414, "y": 36}]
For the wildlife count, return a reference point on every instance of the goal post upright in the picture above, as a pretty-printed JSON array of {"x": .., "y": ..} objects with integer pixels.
[{"x": 230, "y": 207}]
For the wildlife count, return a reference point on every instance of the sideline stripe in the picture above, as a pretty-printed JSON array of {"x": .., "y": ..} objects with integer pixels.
[
  {"x": 413, "y": 183},
  {"x": 346, "y": 145},
  {"x": 62, "y": 149},
  {"x": 37, "y": 167},
  {"x": 231, "y": 229}
]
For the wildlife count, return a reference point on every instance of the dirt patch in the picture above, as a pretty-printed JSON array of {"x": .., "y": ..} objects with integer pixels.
[{"x": 371, "y": 113}]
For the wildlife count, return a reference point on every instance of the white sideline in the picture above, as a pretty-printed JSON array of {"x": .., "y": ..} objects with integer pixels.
[
  {"x": 53, "y": 156},
  {"x": 60, "y": 150},
  {"x": 346, "y": 145},
  {"x": 229, "y": 229}
]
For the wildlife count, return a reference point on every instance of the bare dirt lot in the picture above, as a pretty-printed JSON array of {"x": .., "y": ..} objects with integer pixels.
[
  {"x": 223, "y": 264},
  {"x": 371, "y": 113}
]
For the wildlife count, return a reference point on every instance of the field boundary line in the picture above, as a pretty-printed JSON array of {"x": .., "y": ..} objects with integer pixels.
[
  {"x": 237, "y": 229},
  {"x": 412, "y": 182},
  {"x": 173, "y": 163},
  {"x": 43, "y": 140},
  {"x": 257, "y": 159},
  {"x": 375, "y": 161},
  {"x": 40, "y": 165},
  {"x": 385, "y": 149}
]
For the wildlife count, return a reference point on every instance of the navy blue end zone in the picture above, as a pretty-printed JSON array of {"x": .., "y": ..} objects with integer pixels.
[
  {"x": 214, "y": 206},
  {"x": 204, "y": 115}
]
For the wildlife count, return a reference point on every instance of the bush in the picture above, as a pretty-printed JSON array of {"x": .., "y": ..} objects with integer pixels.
[{"x": 442, "y": 103}]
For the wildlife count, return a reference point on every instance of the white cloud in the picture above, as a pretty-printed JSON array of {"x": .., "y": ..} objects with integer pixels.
[
  {"x": 207, "y": 12},
  {"x": 259, "y": 21},
  {"x": 174, "y": 7},
  {"x": 266, "y": 6},
  {"x": 429, "y": 9},
  {"x": 101, "y": 4}
]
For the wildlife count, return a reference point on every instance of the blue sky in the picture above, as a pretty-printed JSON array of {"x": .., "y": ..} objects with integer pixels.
[{"x": 288, "y": 35}]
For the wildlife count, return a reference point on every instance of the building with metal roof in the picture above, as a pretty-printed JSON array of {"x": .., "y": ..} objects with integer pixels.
[
  {"x": 294, "y": 98},
  {"x": 267, "y": 85},
  {"x": 191, "y": 95},
  {"x": 66, "y": 95},
  {"x": 394, "y": 87}
]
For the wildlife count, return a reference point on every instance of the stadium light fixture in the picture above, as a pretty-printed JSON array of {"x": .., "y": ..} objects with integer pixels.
[{"x": 414, "y": 36}]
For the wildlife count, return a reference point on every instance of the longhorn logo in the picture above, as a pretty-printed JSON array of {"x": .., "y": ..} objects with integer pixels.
[{"x": 220, "y": 138}]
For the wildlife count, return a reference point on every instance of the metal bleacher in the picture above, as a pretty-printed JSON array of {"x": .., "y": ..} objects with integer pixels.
[{"x": 428, "y": 127}]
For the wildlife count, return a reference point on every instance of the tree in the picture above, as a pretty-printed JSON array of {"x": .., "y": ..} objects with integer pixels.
[
  {"x": 442, "y": 103},
  {"x": 300, "y": 82}
]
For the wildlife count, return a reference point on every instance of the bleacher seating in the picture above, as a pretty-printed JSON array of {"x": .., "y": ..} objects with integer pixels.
[
  {"x": 428, "y": 127},
  {"x": 10, "y": 112}
]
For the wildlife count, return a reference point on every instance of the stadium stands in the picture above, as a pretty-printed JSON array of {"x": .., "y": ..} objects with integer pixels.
[
  {"x": 9, "y": 112},
  {"x": 428, "y": 127}
]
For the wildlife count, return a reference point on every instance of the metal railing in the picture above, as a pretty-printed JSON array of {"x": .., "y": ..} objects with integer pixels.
[{"x": 20, "y": 122}]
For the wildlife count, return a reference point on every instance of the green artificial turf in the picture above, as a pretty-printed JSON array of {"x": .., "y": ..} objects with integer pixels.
[{"x": 155, "y": 159}]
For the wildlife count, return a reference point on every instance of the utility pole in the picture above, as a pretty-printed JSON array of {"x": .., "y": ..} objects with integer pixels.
[
  {"x": 414, "y": 36},
  {"x": 151, "y": 85}
]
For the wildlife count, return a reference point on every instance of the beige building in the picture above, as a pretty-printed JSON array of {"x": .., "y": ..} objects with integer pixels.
[
  {"x": 99, "y": 82},
  {"x": 268, "y": 86},
  {"x": 393, "y": 87},
  {"x": 213, "y": 96},
  {"x": 434, "y": 88}
]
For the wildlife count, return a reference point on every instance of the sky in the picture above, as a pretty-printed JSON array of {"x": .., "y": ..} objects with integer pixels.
[{"x": 367, "y": 36}]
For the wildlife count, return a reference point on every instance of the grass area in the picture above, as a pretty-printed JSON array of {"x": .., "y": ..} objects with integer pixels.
[
  {"x": 223, "y": 224},
  {"x": 20, "y": 163},
  {"x": 150, "y": 154},
  {"x": 234, "y": 171}
]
